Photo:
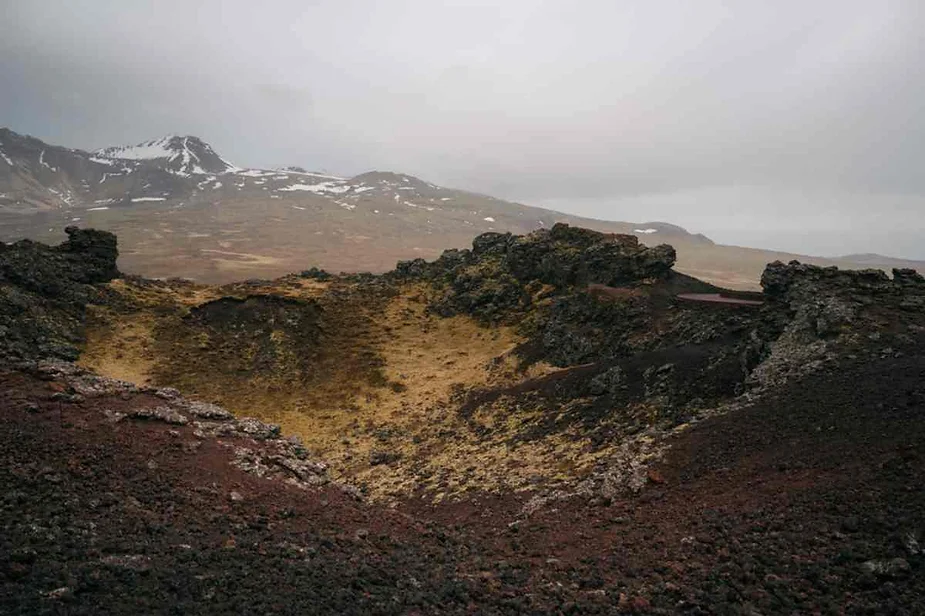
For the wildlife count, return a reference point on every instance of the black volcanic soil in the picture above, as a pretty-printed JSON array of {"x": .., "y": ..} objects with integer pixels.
[{"x": 809, "y": 502}]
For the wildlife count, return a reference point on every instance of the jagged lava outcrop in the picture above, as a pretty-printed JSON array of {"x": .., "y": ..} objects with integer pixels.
[{"x": 538, "y": 424}]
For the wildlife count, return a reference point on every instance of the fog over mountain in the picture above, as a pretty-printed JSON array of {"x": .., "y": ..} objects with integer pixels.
[{"x": 786, "y": 125}]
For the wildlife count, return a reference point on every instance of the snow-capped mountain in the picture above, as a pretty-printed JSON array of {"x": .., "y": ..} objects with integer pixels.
[
  {"x": 177, "y": 197},
  {"x": 186, "y": 171},
  {"x": 36, "y": 176},
  {"x": 184, "y": 156}
]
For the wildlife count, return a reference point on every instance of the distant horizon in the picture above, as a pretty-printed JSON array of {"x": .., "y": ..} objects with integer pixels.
[
  {"x": 779, "y": 241},
  {"x": 793, "y": 126}
]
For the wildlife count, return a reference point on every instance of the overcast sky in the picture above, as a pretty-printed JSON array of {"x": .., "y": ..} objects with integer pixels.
[{"x": 794, "y": 125}]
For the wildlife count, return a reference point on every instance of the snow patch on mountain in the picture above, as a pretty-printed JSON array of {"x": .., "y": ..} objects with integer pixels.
[
  {"x": 65, "y": 196},
  {"x": 183, "y": 156},
  {"x": 43, "y": 163},
  {"x": 318, "y": 189},
  {"x": 149, "y": 150},
  {"x": 415, "y": 205}
]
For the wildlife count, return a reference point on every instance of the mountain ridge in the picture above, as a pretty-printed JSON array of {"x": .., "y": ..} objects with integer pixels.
[
  {"x": 185, "y": 157},
  {"x": 876, "y": 259},
  {"x": 187, "y": 212}
]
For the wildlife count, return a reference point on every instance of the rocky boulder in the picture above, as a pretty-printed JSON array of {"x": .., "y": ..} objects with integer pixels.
[
  {"x": 87, "y": 257},
  {"x": 92, "y": 255},
  {"x": 824, "y": 301},
  {"x": 814, "y": 314},
  {"x": 907, "y": 277},
  {"x": 565, "y": 256},
  {"x": 781, "y": 280},
  {"x": 492, "y": 279},
  {"x": 44, "y": 291}
]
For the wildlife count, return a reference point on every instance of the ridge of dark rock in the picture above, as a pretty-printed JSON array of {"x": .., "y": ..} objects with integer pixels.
[
  {"x": 44, "y": 292},
  {"x": 489, "y": 280}
]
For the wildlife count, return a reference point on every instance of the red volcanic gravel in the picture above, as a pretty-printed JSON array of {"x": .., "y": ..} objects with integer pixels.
[{"x": 809, "y": 502}]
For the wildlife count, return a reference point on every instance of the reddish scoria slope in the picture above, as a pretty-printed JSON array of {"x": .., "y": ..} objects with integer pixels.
[{"x": 808, "y": 502}]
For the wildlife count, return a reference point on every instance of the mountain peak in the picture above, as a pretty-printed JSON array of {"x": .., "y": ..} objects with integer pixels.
[{"x": 181, "y": 155}]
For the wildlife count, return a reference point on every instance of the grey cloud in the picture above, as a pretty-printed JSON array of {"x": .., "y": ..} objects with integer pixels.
[{"x": 717, "y": 115}]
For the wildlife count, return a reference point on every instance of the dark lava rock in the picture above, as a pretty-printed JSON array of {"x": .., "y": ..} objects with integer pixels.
[
  {"x": 316, "y": 274},
  {"x": 822, "y": 303},
  {"x": 490, "y": 281},
  {"x": 635, "y": 358},
  {"x": 94, "y": 254},
  {"x": 781, "y": 280},
  {"x": 377, "y": 458},
  {"x": 905, "y": 276},
  {"x": 44, "y": 291},
  {"x": 609, "y": 381}
]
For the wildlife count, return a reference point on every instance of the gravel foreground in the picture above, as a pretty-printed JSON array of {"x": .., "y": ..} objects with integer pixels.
[{"x": 808, "y": 502}]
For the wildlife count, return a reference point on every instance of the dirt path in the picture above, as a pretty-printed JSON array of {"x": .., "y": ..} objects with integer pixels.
[{"x": 718, "y": 298}]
